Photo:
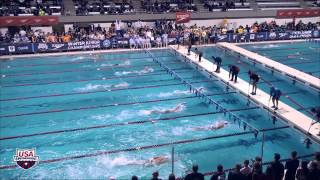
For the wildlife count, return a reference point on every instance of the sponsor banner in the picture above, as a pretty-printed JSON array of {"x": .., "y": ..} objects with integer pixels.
[
  {"x": 95, "y": 44},
  {"x": 20, "y": 48},
  {"x": 262, "y": 36},
  {"x": 300, "y": 34},
  {"x": 222, "y": 38},
  {"x": 106, "y": 43},
  {"x": 298, "y": 13},
  {"x": 47, "y": 47},
  {"x": 283, "y": 35},
  {"x": 316, "y": 34},
  {"x": 183, "y": 17},
  {"x": 4, "y": 49},
  {"x": 28, "y": 20}
]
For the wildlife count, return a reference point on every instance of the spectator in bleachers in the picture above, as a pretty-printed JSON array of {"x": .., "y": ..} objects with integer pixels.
[
  {"x": 219, "y": 174},
  {"x": 236, "y": 174},
  {"x": 171, "y": 177},
  {"x": 269, "y": 175},
  {"x": 314, "y": 171},
  {"x": 302, "y": 171},
  {"x": 277, "y": 167},
  {"x": 291, "y": 166},
  {"x": 155, "y": 176},
  {"x": 316, "y": 159},
  {"x": 257, "y": 173},
  {"x": 246, "y": 170},
  {"x": 195, "y": 174}
]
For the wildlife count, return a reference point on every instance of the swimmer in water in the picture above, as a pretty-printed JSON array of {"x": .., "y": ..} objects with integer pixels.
[
  {"x": 295, "y": 55},
  {"x": 216, "y": 126},
  {"x": 178, "y": 108},
  {"x": 154, "y": 161},
  {"x": 121, "y": 85},
  {"x": 158, "y": 160},
  {"x": 145, "y": 70},
  {"x": 201, "y": 89}
]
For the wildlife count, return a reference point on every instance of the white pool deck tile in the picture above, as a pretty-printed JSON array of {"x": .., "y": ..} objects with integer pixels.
[
  {"x": 304, "y": 77},
  {"x": 294, "y": 117}
]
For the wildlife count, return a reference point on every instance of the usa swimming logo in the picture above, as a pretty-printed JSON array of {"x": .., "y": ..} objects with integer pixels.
[
  {"x": 26, "y": 158},
  {"x": 106, "y": 43}
]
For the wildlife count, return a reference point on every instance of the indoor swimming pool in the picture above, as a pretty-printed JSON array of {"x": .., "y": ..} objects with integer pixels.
[
  {"x": 303, "y": 56},
  {"x": 97, "y": 116}
]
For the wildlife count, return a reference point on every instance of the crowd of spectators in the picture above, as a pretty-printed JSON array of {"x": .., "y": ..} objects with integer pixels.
[
  {"x": 30, "y": 7},
  {"x": 292, "y": 169},
  {"x": 83, "y": 7},
  {"x": 159, "y": 6},
  {"x": 138, "y": 32}
]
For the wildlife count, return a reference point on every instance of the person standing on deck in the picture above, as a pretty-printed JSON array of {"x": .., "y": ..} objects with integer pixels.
[
  {"x": 200, "y": 56},
  {"x": 189, "y": 48},
  {"x": 217, "y": 61},
  {"x": 254, "y": 79},
  {"x": 275, "y": 95},
  {"x": 316, "y": 112},
  {"x": 178, "y": 37},
  {"x": 234, "y": 71}
]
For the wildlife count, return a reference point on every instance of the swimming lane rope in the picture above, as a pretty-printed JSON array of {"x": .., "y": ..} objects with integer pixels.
[{"x": 206, "y": 98}]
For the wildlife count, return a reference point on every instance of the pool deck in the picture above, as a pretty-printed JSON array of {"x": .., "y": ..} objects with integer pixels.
[
  {"x": 295, "y": 118},
  {"x": 305, "y": 78}
]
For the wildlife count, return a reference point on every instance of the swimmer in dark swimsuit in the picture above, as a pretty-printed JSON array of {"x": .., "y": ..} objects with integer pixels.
[{"x": 216, "y": 126}]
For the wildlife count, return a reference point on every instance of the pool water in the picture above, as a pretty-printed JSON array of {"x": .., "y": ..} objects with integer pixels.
[
  {"x": 304, "y": 56},
  {"x": 296, "y": 95},
  {"x": 91, "y": 118}
]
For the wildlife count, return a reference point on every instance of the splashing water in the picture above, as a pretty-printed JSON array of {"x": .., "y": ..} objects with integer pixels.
[
  {"x": 175, "y": 92},
  {"x": 144, "y": 71},
  {"x": 126, "y": 63},
  {"x": 266, "y": 46},
  {"x": 90, "y": 86}
]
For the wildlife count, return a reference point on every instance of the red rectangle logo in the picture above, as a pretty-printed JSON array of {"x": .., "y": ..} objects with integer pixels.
[{"x": 182, "y": 17}]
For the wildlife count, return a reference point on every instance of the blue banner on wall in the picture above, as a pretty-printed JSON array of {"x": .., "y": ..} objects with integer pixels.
[{"x": 21, "y": 48}]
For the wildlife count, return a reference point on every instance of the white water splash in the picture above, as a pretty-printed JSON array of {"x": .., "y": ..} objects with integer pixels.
[
  {"x": 144, "y": 71},
  {"x": 174, "y": 93},
  {"x": 90, "y": 86},
  {"x": 101, "y": 116},
  {"x": 266, "y": 46}
]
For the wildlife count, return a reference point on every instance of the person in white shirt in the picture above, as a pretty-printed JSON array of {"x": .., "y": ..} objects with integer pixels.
[
  {"x": 118, "y": 27},
  {"x": 132, "y": 43},
  {"x": 148, "y": 42},
  {"x": 165, "y": 39},
  {"x": 246, "y": 169},
  {"x": 158, "y": 41},
  {"x": 22, "y": 33}
]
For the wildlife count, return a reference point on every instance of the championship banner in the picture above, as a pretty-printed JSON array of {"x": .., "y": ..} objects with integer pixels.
[
  {"x": 290, "y": 13},
  {"x": 28, "y": 20},
  {"x": 182, "y": 17}
]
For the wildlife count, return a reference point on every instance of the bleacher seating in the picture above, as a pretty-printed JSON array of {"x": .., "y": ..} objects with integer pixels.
[
  {"x": 278, "y": 4},
  {"x": 312, "y": 3},
  {"x": 31, "y": 7},
  {"x": 84, "y": 7},
  {"x": 219, "y": 5},
  {"x": 159, "y": 6},
  {"x": 98, "y": 7}
]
